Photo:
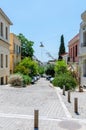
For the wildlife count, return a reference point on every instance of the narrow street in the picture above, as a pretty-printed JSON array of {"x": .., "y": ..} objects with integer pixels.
[
  {"x": 17, "y": 107},
  {"x": 24, "y": 101}
]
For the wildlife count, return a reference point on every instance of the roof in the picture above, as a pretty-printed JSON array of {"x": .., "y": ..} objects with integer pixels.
[
  {"x": 5, "y": 16},
  {"x": 64, "y": 54},
  {"x": 74, "y": 39}
]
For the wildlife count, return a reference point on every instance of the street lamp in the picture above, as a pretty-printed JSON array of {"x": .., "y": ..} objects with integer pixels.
[{"x": 41, "y": 45}]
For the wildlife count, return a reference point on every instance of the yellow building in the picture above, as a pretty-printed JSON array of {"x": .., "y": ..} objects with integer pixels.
[
  {"x": 15, "y": 51},
  {"x": 4, "y": 47}
]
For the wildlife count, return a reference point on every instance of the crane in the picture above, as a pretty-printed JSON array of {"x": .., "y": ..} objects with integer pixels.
[{"x": 48, "y": 53}]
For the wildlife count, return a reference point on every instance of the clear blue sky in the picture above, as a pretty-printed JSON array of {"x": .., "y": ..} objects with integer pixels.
[{"x": 45, "y": 21}]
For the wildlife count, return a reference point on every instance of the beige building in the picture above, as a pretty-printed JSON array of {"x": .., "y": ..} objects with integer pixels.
[
  {"x": 4, "y": 47},
  {"x": 15, "y": 51}
]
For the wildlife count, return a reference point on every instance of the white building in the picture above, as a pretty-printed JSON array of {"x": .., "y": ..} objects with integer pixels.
[
  {"x": 65, "y": 57},
  {"x": 82, "y": 50},
  {"x": 4, "y": 47}
]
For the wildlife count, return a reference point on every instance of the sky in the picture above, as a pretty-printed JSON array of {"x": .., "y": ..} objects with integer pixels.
[{"x": 45, "y": 21}]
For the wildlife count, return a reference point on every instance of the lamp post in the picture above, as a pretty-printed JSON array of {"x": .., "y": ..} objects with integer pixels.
[{"x": 41, "y": 45}]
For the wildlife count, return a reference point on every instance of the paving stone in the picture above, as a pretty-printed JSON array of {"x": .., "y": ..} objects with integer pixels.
[{"x": 17, "y": 107}]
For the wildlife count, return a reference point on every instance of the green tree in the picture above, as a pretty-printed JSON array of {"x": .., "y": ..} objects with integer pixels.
[
  {"x": 27, "y": 67},
  {"x": 65, "y": 79},
  {"x": 61, "y": 48},
  {"x": 50, "y": 70},
  {"x": 41, "y": 70},
  {"x": 60, "y": 67},
  {"x": 63, "y": 76},
  {"x": 26, "y": 46}
]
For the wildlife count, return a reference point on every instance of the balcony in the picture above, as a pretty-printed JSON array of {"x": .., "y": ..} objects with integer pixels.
[
  {"x": 83, "y": 49},
  {"x": 83, "y": 44}
]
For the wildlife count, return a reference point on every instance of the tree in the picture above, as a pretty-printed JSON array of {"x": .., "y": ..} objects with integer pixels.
[
  {"x": 26, "y": 46},
  {"x": 63, "y": 76},
  {"x": 27, "y": 66},
  {"x": 62, "y": 47},
  {"x": 41, "y": 70},
  {"x": 60, "y": 67},
  {"x": 50, "y": 70}
]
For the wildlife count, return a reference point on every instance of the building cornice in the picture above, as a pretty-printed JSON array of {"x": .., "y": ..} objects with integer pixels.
[
  {"x": 5, "y": 42},
  {"x": 83, "y": 16},
  {"x": 5, "y": 16},
  {"x": 74, "y": 39}
]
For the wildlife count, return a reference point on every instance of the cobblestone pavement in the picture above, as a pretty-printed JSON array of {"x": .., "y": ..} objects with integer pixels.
[
  {"x": 24, "y": 100},
  {"x": 17, "y": 107},
  {"x": 81, "y": 103}
]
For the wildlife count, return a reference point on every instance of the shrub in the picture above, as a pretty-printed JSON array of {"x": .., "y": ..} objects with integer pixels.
[
  {"x": 15, "y": 80},
  {"x": 27, "y": 67},
  {"x": 26, "y": 79},
  {"x": 21, "y": 69},
  {"x": 41, "y": 70},
  {"x": 60, "y": 67},
  {"x": 50, "y": 70},
  {"x": 65, "y": 79}
]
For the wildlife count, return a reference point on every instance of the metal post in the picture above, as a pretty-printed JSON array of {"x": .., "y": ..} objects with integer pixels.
[
  {"x": 64, "y": 90},
  {"x": 69, "y": 96},
  {"x": 36, "y": 114},
  {"x": 76, "y": 105}
]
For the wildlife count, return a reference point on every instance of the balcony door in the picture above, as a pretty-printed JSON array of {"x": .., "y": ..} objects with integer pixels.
[
  {"x": 84, "y": 39},
  {"x": 2, "y": 80}
]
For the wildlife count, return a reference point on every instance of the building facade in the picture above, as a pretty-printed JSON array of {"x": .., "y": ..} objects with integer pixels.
[
  {"x": 15, "y": 51},
  {"x": 4, "y": 47},
  {"x": 82, "y": 50},
  {"x": 73, "y": 58},
  {"x": 73, "y": 47}
]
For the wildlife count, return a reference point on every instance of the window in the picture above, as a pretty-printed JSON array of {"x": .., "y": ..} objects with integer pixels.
[
  {"x": 14, "y": 48},
  {"x": 84, "y": 39},
  {"x": 6, "y": 32},
  {"x": 1, "y": 60},
  {"x": 2, "y": 80},
  {"x": 6, "y": 61},
  {"x": 71, "y": 53},
  {"x": 17, "y": 49},
  {"x": 76, "y": 50},
  {"x": 1, "y": 29},
  {"x": 84, "y": 68}
]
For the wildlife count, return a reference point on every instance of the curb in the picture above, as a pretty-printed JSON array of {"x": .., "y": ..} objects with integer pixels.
[{"x": 68, "y": 114}]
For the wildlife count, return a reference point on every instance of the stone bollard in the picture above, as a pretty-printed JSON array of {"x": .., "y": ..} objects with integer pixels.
[
  {"x": 63, "y": 89},
  {"x": 76, "y": 105},
  {"x": 36, "y": 114},
  {"x": 80, "y": 89},
  {"x": 69, "y": 96}
]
